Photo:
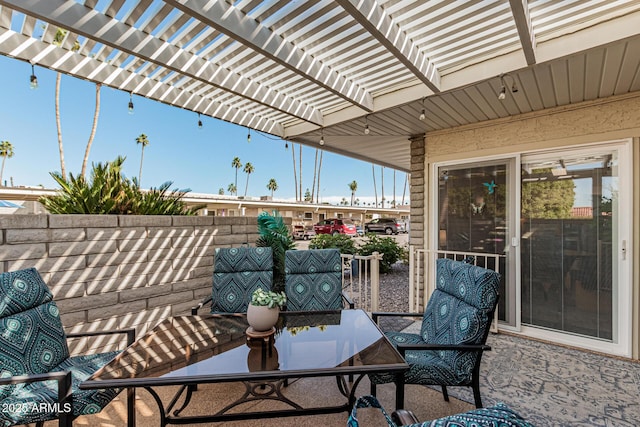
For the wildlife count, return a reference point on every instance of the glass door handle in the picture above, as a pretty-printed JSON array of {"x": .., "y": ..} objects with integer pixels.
[{"x": 624, "y": 249}]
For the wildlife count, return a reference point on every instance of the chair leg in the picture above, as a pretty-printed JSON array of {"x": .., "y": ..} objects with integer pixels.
[
  {"x": 476, "y": 396},
  {"x": 400, "y": 391},
  {"x": 445, "y": 393},
  {"x": 131, "y": 407},
  {"x": 373, "y": 389}
]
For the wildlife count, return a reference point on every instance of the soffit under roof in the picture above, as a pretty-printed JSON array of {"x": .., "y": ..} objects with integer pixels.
[{"x": 303, "y": 70}]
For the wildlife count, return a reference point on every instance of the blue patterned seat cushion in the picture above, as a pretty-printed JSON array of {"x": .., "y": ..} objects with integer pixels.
[
  {"x": 238, "y": 272},
  {"x": 499, "y": 415},
  {"x": 84, "y": 401},
  {"x": 313, "y": 280}
]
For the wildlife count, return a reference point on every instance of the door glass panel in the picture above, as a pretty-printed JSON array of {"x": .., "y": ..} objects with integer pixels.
[
  {"x": 473, "y": 217},
  {"x": 569, "y": 205}
]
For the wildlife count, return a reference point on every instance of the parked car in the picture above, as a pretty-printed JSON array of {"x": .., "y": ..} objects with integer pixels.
[
  {"x": 336, "y": 226},
  {"x": 385, "y": 225},
  {"x": 359, "y": 230}
]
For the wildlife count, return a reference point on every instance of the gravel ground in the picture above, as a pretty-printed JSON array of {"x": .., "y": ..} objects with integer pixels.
[
  {"x": 394, "y": 289},
  {"x": 394, "y": 297}
]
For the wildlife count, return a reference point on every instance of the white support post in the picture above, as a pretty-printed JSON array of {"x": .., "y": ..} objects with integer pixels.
[{"x": 375, "y": 280}]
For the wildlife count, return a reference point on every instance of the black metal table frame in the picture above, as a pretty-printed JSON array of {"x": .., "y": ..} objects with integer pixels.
[{"x": 270, "y": 381}]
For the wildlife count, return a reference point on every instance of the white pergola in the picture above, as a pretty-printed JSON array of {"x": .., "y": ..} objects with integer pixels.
[{"x": 304, "y": 70}]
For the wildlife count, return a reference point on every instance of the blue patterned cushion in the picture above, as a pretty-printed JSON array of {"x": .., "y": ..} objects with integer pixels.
[
  {"x": 459, "y": 310},
  {"x": 499, "y": 415},
  {"x": 237, "y": 273},
  {"x": 31, "y": 342},
  {"x": 313, "y": 280},
  {"x": 21, "y": 290},
  {"x": 84, "y": 401}
]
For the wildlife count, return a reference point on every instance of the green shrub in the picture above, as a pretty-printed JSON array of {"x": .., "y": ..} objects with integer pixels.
[
  {"x": 387, "y": 246},
  {"x": 343, "y": 243},
  {"x": 108, "y": 192}
]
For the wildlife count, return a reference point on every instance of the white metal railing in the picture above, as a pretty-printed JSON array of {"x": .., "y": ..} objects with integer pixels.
[
  {"x": 422, "y": 273},
  {"x": 361, "y": 279}
]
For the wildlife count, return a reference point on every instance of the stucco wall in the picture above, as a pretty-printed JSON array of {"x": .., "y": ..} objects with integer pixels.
[{"x": 110, "y": 272}]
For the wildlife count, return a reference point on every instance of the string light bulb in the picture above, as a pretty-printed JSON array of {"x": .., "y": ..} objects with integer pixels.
[
  {"x": 322, "y": 136},
  {"x": 503, "y": 86},
  {"x": 423, "y": 113},
  {"x": 130, "y": 103},
  {"x": 249, "y": 135},
  {"x": 33, "y": 80},
  {"x": 199, "y": 122},
  {"x": 366, "y": 126}
]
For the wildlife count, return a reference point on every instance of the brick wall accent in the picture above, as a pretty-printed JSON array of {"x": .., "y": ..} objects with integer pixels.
[
  {"x": 113, "y": 272},
  {"x": 417, "y": 192}
]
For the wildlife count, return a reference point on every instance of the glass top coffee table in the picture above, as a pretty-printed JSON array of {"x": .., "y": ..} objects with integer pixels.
[{"x": 192, "y": 350}]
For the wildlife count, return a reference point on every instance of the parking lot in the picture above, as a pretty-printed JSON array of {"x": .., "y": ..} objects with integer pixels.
[{"x": 402, "y": 239}]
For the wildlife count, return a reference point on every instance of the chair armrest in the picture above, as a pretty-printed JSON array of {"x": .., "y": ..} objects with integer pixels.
[
  {"x": 131, "y": 334},
  {"x": 403, "y": 417},
  {"x": 194, "y": 310},
  {"x": 63, "y": 378},
  {"x": 348, "y": 300},
  {"x": 377, "y": 314},
  {"x": 402, "y": 348}
]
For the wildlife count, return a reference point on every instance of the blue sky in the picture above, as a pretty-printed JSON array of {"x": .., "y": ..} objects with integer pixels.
[{"x": 198, "y": 159}]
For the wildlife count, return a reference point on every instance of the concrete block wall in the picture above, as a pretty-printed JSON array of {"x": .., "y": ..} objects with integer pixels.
[{"x": 114, "y": 272}]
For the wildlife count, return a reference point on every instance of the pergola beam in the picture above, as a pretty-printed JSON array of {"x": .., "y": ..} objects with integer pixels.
[
  {"x": 25, "y": 48},
  {"x": 380, "y": 25},
  {"x": 96, "y": 26},
  {"x": 520, "y": 10},
  {"x": 227, "y": 19}
]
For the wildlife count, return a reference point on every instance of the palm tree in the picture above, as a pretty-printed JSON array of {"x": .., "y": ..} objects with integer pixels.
[
  {"x": 272, "y": 185},
  {"x": 319, "y": 170},
  {"x": 404, "y": 189},
  {"x": 248, "y": 169},
  {"x": 221, "y": 191},
  {"x": 6, "y": 150},
  {"x": 300, "y": 171},
  {"x": 144, "y": 141},
  {"x": 295, "y": 175},
  {"x": 353, "y": 186},
  {"x": 57, "y": 40},
  {"x": 237, "y": 164},
  {"x": 232, "y": 189},
  {"x": 375, "y": 190},
  {"x": 96, "y": 113},
  {"x": 394, "y": 189},
  {"x": 382, "y": 184},
  {"x": 315, "y": 173}
]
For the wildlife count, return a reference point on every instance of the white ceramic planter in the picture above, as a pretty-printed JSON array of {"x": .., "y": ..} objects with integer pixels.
[{"x": 262, "y": 318}]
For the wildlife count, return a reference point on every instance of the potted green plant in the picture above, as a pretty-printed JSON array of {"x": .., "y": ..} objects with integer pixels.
[{"x": 264, "y": 309}]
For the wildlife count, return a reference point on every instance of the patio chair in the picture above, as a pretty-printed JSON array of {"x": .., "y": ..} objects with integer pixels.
[
  {"x": 39, "y": 379},
  {"x": 237, "y": 272},
  {"x": 498, "y": 415},
  {"x": 448, "y": 349},
  {"x": 313, "y": 280}
]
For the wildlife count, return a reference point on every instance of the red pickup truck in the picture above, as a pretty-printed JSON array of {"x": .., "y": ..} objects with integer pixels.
[{"x": 336, "y": 226}]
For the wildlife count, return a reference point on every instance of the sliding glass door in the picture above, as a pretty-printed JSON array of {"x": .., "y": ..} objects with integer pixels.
[
  {"x": 569, "y": 245},
  {"x": 559, "y": 222}
]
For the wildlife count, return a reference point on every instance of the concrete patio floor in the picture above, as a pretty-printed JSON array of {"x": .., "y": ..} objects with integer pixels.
[{"x": 426, "y": 403}]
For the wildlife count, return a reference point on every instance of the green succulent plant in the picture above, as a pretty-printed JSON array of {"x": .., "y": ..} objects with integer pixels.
[{"x": 269, "y": 299}]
